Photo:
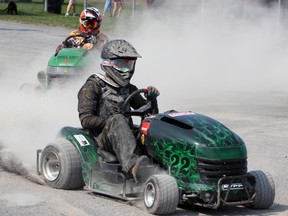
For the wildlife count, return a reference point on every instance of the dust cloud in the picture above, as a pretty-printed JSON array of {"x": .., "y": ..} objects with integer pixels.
[
  {"x": 217, "y": 48},
  {"x": 10, "y": 163},
  {"x": 30, "y": 119},
  {"x": 211, "y": 49}
]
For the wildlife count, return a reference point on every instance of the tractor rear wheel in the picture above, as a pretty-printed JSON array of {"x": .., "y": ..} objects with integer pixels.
[{"x": 60, "y": 165}]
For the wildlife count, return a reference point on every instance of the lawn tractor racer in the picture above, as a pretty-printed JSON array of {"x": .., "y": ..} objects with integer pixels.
[
  {"x": 69, "y": 63},
  {"x": 195, "y": 160}
]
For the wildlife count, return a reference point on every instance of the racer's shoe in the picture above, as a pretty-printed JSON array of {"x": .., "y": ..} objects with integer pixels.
[
  {"x": 67, "y": 15},
  {"x": 138, "y": 170}
]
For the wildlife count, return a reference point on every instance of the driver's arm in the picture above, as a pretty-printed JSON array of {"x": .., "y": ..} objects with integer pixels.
[
  {"x": 88, "y": 97},
  {"x": 62, "y": 45}
]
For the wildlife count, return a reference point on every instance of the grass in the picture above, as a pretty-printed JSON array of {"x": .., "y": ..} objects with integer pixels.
[{"x": 33, "y": 13}]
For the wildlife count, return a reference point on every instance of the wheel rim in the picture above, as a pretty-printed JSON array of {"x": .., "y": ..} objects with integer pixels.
[
  {"x": 51, "y": 166},
  {"x": 149, "y": 194}
]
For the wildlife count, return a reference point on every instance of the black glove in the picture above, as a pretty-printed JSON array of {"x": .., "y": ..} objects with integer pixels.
[
  {"x": 152, "y": 92},
  {"x": 67, "y": 44},
  {"x": 91, "y": 39}
]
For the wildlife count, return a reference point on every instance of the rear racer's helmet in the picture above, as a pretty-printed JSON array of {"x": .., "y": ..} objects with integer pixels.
[
  {"x": 90, "y": 21},
  {"x": 118, "y": 59}
]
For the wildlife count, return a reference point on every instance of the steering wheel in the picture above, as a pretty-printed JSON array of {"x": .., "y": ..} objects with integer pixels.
[
  {"x": 70, "y": 41},
  {"x": 142, "y": 111}
]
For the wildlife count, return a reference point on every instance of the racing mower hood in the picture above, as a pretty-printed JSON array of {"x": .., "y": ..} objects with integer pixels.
[
  {"x": 69, "y": 57},
  {"x": 203, "y": 136}
]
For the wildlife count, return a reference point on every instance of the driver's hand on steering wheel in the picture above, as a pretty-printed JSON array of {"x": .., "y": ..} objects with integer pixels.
[
  {"x": 91, "y": 39},
  {"x": 152, "y": 92},
  {"x": 72, "y": 42}
]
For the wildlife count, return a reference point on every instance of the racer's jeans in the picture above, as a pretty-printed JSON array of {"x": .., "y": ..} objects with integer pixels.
[{"x": 117, "y": 138}]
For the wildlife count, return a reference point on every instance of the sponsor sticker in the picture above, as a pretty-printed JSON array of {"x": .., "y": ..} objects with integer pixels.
[
  {"x": 233, "y": 186},
  {"x": 82, "y": 140}
]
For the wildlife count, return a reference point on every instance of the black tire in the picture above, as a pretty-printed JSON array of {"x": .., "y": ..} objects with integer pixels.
[
  {"x": 161, "y": 194},
  {"x": 60, "y": 165},
  {"x": 265, "y": 190}
]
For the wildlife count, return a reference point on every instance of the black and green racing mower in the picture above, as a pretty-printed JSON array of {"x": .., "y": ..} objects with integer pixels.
[{"x": 195, "y": 160}]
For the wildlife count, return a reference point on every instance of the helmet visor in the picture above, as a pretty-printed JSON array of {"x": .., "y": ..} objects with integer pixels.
[
  {"x": 89, "y": 23},
  {"x": 122, "y": 65}
]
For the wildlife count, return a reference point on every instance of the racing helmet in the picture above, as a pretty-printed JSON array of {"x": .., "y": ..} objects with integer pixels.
[
  {"x": 118, "y": 59},
  {"x": 90, "y": 21}
]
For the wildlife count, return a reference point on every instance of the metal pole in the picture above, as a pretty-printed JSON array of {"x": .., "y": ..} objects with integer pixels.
[
  {"x": 85, "y": 4},
  {"x": 279, "y": 11},
  {"x": 279, "y": 16},
  {"x": 133, "y": 8},
  {"x": 45, "y": 5}
]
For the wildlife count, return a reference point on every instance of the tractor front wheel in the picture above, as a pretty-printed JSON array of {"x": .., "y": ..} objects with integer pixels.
[
  {"x": 265, "y": 190},
  {"x": 161, "y": 194}
]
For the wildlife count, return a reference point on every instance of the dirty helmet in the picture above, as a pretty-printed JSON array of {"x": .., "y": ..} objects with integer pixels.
[{"x": 118, "y": 59}]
